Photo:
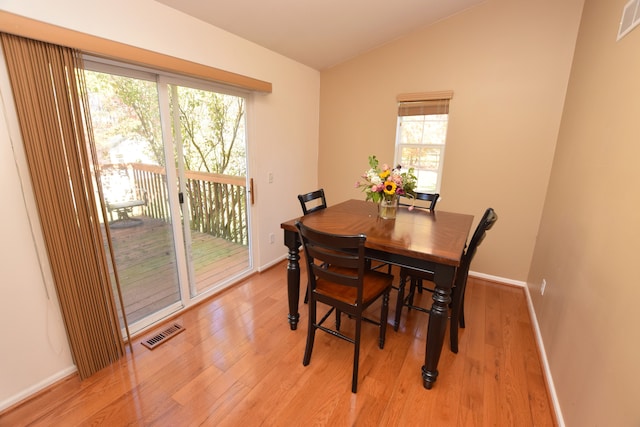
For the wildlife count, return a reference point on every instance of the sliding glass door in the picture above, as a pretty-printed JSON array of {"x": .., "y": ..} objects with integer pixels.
[
  {"x": 173, "y": 174},
  {"x": 209, "y": 133}
]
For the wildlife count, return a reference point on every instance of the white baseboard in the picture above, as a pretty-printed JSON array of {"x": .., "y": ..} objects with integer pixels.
[
  {"x": 271, "y": 264},
  {"x": 536, "y": 331},
  {"x": 498, "y": 279},
  {"x": 545, "y": 361},
  {"x": 25, "y": 394}
]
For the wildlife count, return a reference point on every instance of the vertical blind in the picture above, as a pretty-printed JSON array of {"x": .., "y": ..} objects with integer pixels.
[{"x": 48, "y": 89}]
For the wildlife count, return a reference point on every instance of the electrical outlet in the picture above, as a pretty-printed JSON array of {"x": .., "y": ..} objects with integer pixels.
[
  {"x": 543, "y": 286},
  {"x": 272, "y": 238},
  {"x": 270, "y": 177}
]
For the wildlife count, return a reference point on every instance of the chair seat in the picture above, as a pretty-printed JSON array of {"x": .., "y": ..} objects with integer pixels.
[
  {"x": 416, "y": 274},
  {"x": 375, "y": 284}
]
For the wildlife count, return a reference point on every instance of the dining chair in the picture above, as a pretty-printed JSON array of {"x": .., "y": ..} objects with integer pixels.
[
  {"x": 313, "y": 201},
  {"x": 339, "y": 279},
  {"x": 457, "y": 292},
  {"x": 432, "y": 198}
]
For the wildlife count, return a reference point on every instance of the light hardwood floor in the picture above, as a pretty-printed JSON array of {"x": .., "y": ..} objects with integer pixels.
[{"x": 238, "y": 364}]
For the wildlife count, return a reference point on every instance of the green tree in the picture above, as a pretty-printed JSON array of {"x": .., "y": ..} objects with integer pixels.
[
  {"x": 124, "y": 109},
  {"x": 211, "y": 125},
  {"x": 212, "y": 129}
]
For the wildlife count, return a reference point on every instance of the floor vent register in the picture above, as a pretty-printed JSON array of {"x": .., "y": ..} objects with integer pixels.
[{"x": 163, "y": 336}]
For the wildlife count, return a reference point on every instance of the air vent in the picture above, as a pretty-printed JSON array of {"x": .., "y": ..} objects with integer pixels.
[
  {"x": 161, "y": 337},
  {"x": 630, "y": 18}
]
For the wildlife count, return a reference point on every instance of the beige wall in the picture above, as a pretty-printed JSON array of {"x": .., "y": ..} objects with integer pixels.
[
  {"x": 588, "y": 241},
  {"x": 508, "y": 64}
]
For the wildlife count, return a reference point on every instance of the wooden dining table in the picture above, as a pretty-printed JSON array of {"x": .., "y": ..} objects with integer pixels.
[{"x": 417, "y": 238}]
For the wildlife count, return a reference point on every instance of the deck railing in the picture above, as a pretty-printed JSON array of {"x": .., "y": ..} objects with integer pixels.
[{"x": 218, "y": 202}]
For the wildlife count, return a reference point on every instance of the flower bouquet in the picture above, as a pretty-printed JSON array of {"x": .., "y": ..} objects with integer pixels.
[{"x": 384, "y": 185}]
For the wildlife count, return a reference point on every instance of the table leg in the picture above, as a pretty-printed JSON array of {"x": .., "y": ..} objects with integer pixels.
[
  {"x": 438, "y": 318},
  {"x": 292, "y": 241}
]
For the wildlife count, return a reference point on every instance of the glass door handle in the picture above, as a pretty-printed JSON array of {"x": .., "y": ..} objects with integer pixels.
[{"x": 251, "y": 189}]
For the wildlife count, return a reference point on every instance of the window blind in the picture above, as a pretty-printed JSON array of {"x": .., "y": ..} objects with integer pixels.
[
  {"x": 47, "y": 88},
  {"x": 421, "y": 104}
]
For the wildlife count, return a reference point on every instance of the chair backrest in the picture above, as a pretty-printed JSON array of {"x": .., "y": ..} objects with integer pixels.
[
  {"x": 432, "y": 198},
  {"x": 344, "y": 254},
  {"x": 313, "y": 201},
  {"x": 488, "y": 219}
]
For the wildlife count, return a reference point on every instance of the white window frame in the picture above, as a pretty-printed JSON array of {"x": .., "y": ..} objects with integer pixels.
[{"x": 422, "y": 105}]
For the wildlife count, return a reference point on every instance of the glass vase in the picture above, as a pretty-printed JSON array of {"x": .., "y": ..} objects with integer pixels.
[{"x": 387, "y": 209}]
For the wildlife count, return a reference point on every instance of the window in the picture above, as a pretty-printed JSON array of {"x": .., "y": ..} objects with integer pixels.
[{"x": 421, "y": 136}]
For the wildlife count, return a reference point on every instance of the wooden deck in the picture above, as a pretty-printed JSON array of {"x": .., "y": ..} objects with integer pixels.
[{"x": 147, "y": 266}]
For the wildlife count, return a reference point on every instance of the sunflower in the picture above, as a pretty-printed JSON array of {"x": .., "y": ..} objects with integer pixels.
[
  {"x": 390, "y": 188},
  {"x": 385, "y": 183}
]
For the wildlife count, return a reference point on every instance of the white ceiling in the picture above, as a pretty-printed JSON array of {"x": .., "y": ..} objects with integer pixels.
[{"x": 320, "y": 33}]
